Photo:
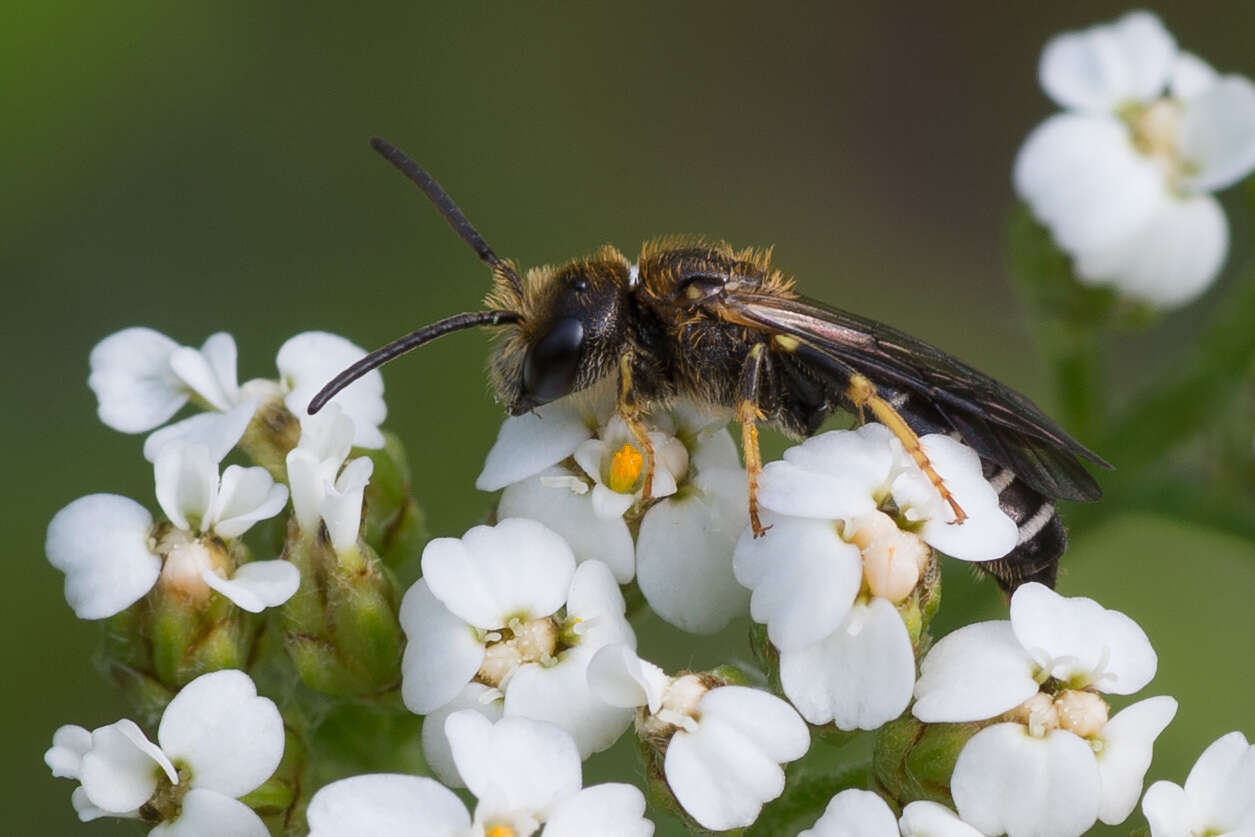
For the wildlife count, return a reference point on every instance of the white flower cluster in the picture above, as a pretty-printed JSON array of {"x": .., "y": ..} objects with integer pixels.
[{"x": 1123, "y": 176}]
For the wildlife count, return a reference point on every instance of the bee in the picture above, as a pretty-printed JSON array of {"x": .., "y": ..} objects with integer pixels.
[{"x": 697, "y": 319}]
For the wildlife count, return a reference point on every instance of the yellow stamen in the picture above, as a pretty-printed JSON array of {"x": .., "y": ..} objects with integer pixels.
[
  {"x": 500, "y": 831},
  {"x": 625, "y": 469}
]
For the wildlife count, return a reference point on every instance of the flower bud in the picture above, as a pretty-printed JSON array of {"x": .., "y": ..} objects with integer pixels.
[
  {"x": 1081, "y": 713},
  {"x": 395, "y": 526},
  {"x": 273, "y": 431},
  {"x": 913, "y": 760},
  {"x": 341, "y": 628}
]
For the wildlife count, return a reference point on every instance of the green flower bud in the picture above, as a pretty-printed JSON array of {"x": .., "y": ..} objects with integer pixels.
[{"x": 913, "y": 760}]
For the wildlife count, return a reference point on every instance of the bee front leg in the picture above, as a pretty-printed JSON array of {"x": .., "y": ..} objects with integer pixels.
[
  {"x": 748, "y": 414},
  {"x": 629, "y": 409}
]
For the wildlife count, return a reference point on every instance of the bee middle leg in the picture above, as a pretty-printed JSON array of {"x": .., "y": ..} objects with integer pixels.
[
  {"x": 748, "y": 414},
  {"x": 629, "y": 410},
  {"x": 862, "y": 393}
]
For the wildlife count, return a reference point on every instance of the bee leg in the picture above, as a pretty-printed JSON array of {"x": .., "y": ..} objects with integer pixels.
[
  {"x": 748, "y": 413},
  {"x": 630, "y": 411},
  {"x": 862, "y": 392}
]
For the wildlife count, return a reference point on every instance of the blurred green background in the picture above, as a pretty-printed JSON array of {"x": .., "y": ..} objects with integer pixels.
[{"x": 199, "y": 167}]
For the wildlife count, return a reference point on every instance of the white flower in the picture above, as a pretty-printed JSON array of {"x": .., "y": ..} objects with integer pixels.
[
  {"x": 112, "y": 553},
  {"x": 575, "y": 466},
  {"x": 846, "y": 656},
  {"x": 724, "y": 744},
  {"x": 218, "y": 740},
  {"x": 506, "y": 606},
  {"x": 523, "y": 773},
  {"x": 1123, "y": 176},
  {"x": 142, "y": 378},
  {"x": 1218, "y": 797},
  {"x": 1082, "y": 766},
  {"x": 860, "y": 813},
  {"x": 321, "y": 490}
]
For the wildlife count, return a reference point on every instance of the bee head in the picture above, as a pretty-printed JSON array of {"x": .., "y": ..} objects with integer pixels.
[{"x": 570, "y": 333}]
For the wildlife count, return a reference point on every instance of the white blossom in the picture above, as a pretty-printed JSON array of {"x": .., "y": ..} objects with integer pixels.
[
  {"x": 1123, "y": 176},
  {"x": 142, "y": 378},
  {"x": 1218, "y": 797},
  {"x": 324, "y": 488},
  {"x": 524, "y": 774},
  {"x": 861, "y": 813},
  {"x": 724, "y": 745},
  {"x": 506, "y": 606},
  {"x": 1054, "y": 763},
  {"x": 112, "y": 551},
  {"x": 576, "y": 467},
  {"x": 830, "y": 572},
  {"x": 217, "y": 741}
]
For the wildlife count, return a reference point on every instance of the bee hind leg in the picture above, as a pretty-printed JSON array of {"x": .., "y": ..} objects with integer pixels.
[
  {"x": 748, "y": 414},
  {"x": 862, "y": 393}
]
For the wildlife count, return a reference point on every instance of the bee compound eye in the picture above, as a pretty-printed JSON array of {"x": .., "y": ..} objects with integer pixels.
[{"x": 552, "y": 362}]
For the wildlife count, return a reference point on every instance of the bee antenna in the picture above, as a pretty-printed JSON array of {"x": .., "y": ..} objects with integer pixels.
[
  {"x": 438, "y": 196},
  {"x": 405, "y": 344}
]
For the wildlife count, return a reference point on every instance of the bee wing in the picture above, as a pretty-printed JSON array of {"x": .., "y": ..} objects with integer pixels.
[{"x": 1000, "y": 423}]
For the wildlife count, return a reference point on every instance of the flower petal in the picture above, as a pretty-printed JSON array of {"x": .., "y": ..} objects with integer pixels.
[
  {"x": 386, "y": 805},
  {"x": 1218, "y": 133},
  {"x": 860, "y": 677},
  {"x": 610, "y": 504},
  {"x": 69, "y": 744},
  {"x": 1080, "y": 642},
  {"x": 245, "y": 496},
  {"x": 257, "y": 585},
  {"x": 1008, "y": 782},
  {"x": 209, "y": 812},
  {"x": 87, "y": 811},
  {"x": 1219, "y": 784},
  {"x": 135, "y": 387},
  {"x": 1106, "y": 66},
  {"x": 1191, "y": 76},
  {"x": 328, "y": 434},
  {"x": 1167, "y": 810},
  {"x": 803, "y": 576},
  {"x": 620, "y": 678},
  {"x": 230, "y": 737},
  {"x": 119, "y": 771},
  {"x": 929, "y": 819},
  {"x": 1083, "y": 179},
  {"x": 442, "y": 652},
  {"x": 100, "y": 542},
  {"x": 548, "y": 499},
  {"x": 210, "y": 371},
  {"x": 832, "y": 476},
  {"x": 530, "y": 443},
  {"x": 607, "y": 810},
  {"x": 309, "y": 360},
  {"x": 341, "y": 505},
  {"x": 1170, "y": 259},
  {"x": 517, "y": 568},
  {"x": 516, "y": 764},
  {"x": 987, "y": 533},
  {"x": 437, "y": 752},
  {"x": 218, "y": 431},
  {"x": 684, "y": 553},
  {"x": 854, "y": 813},
  {"x": 1128, "y": 741},
  {"x": 187, "y": 484},
  {"x": 560, "y": 694},
  {"x": 976, "y": 672},
  {"x": 719, "y": 776},
  {"x": 768, "y": 722}
]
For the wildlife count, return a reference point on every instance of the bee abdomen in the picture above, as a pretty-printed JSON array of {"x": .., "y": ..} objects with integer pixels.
[{"x": 1042, "y": 539}]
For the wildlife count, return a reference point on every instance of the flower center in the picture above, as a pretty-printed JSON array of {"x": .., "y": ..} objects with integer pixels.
[
  {"x": 679, "y": 708},
  {"x": 500, "y": 831},
  {"x": 1083, "y": 714},
  {"x": 625, "y": 469},
  {"x": 184, "y": 559},
  {"x": 166, "y": 803},
  {"x": 892, "y": 559},
  {"x": 1156, "y": 129},
  {"x": 517, "y": 644}
]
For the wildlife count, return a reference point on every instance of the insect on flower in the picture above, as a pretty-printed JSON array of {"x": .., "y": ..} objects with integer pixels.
[{"x": 699, "y": 320}]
